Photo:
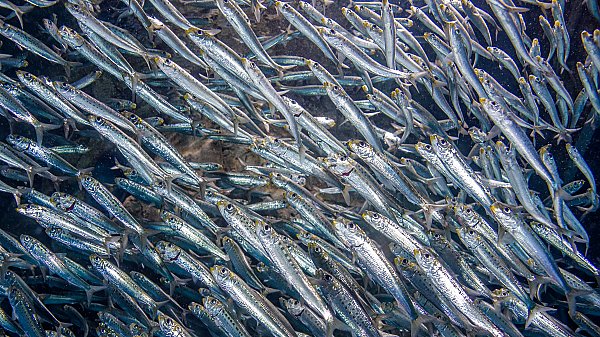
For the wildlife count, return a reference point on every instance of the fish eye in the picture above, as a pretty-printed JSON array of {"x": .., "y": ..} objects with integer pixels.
[
  {"x": 443, "y": 142},
  {"x": 318, "y": 249},
  {"x": 436, "y": 236},
  {"x": 469, "y": 211},
  {"x": 343, "y": 158},
  {"x": 229, "y": 207},
  {"x": 267, "y": 228},
  {"x": 427, "y": 147},
  {"x": 223, "y": 271},
  {"x": 328, "y": 278},
  {"x": 494, "y": 103},
  {"x": 507, "y": 210},
  {"x": 427, "y": 255},
  {"x": 332, "y": 31},
  {"x": 471, "y": 232},
  {"x": 362, "y": 144},
  {"x": 351, "y": 225}
]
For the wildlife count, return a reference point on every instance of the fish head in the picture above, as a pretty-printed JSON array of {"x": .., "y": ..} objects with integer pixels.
[
  {"x": 227, "y": 242},
  {"x": 54, "y": 232},
  {"x": 464, "y": 212},
  {"x": 468, "y": 235},
  {"x": 20, "y": 143},
  {"x": 576, "y": 185},
  {"x": 89, "y": 183},
  {"x": 305, "y": 236},
  {"x": 504, "y": 151},
  {"x": 315, "y": 252},
  {"x": 374, "y": 219},
  {"x": 293, "y": 198},
  {"x": 28, "y": 242},
  {"x": 330, "y": 34},
  {"x": 349, "y": 232},
  {"x": 500, "y": 294},
  {"x": 274, "y": 145},
  {"x": 426, "y": 259},
  {"x": 212, "y": 305},
  {"x": 266, "y": 232},
  {"x": 31, "y": 210},
  {"x": 361, "y": 148},
  {"x": 436, "y": 238},
  {"x": 293, "y": 306},
  {"x": 99, "y": 263},
  {"x": 541, "y": 228},
  {"x": 572, "y": 150},
  {"x": 339, "y": 164},
  {"x": 333, "y": 89},
  {"x": 65, "y": 89},
  {"x": 64, "y": 202},
  {"x": 160, "y": 186},
  {"x": 250, "y": 66},
  {"x": 103, "y": 329},
  {"x": 277, "y": 179},
  {"x": 137, "y": 276},
  {"x": 477, "y": 135},
  {"x": 197, "y": 309},
  {"x": 327, "y": 281},
  {"x": 283, "y": 6},
  {"x": 403, "y": 263},
  {"x": 545, "y": 152},
  {"x": 504, "y": 215},
  {"x": 99, "y": 122},
  {"x": 167, "y": 251},
  {"x": 227, "y": 209},
  {"x": 221, "y": 274},
  {"x": 25, "y": 77},
  {"x": 168, "y": 218},
  {"x": 168, "y": 325},
  {"x": 78, "y": 10},
  {"x": 440, "y": 144},
  {"x": 311, "y": 64},
  {"x": 136, "y": 120},
  {"x": 425, "y": 150},
  {"x": 70, "y": 36},
  {"x": 491, "y": 107},
  {"x": 15, "y": 294}
]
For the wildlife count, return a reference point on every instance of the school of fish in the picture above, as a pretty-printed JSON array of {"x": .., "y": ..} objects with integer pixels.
[{"x": 398, "y": 182}]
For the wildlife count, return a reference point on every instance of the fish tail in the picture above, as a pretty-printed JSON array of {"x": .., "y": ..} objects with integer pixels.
[
  {"x": 90, "y": 292},
  {"x": 415, "y": 325},
  {"x": 32, "y": 171},
  {"x": 531, "y": 312},
  {"x": 19, "y": 14}
]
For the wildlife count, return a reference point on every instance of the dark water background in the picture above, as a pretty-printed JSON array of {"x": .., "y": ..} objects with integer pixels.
[{"x": 102, "y": 155}]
